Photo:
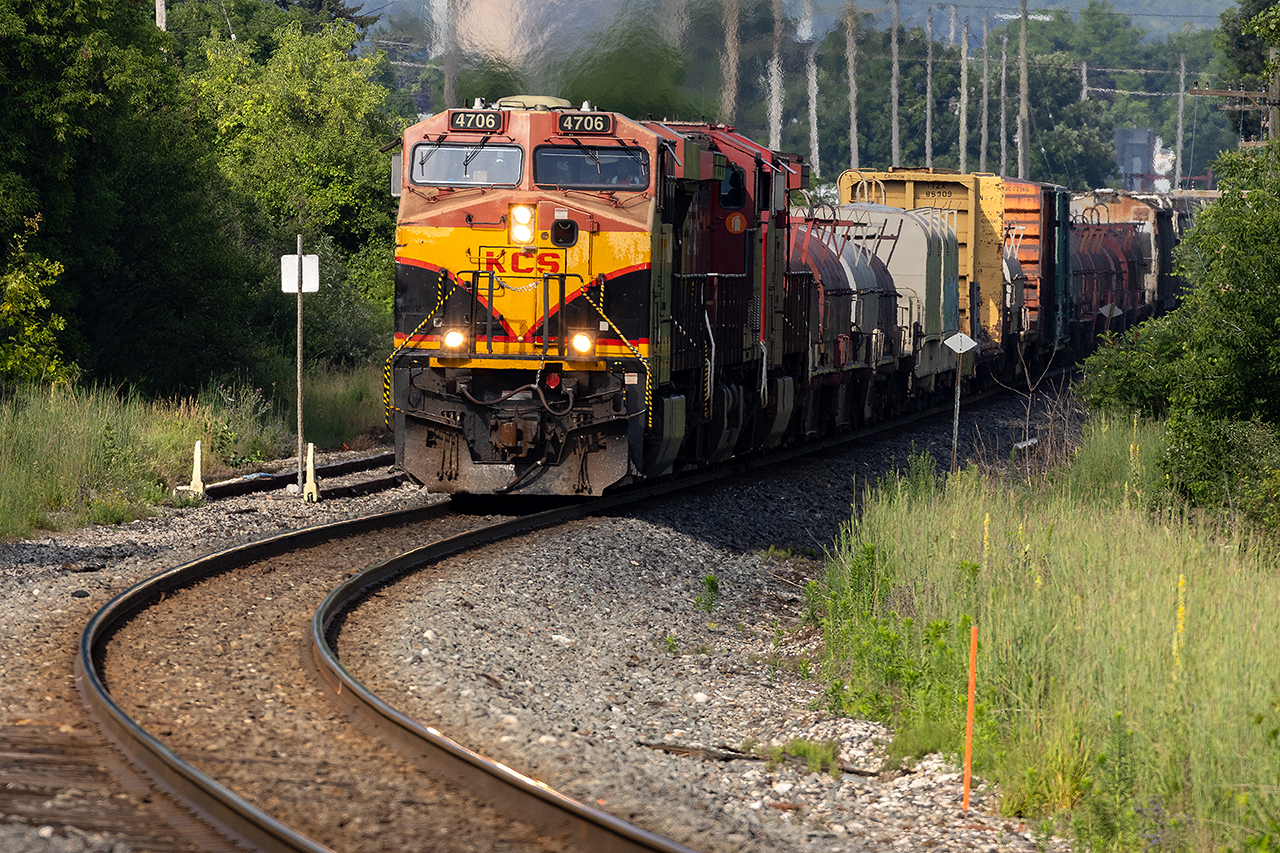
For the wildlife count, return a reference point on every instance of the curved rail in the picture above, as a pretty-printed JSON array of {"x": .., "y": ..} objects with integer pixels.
[
  {"x": 244, "y": 822},
  {"x": 209, "y": 799},
  {"x": 531, "y": 800}
]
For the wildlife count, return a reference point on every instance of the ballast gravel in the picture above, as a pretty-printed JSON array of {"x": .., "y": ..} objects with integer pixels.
[{"x": 593, "y": 656}]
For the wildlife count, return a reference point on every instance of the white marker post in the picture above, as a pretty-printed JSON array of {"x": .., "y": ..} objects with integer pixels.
[
  {"x": 960, "y": 343},
  {"x": 300, "y": 278}
]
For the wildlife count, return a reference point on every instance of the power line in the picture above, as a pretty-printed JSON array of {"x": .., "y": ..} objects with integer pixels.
[
  {"x": 1141, "y": 94},
  {"x": 1017, "y": 12}
]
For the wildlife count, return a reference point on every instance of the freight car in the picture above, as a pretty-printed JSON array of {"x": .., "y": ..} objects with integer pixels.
[
  {"x": 1043, "y": 272},
  {"x": 584, "y": 300}
]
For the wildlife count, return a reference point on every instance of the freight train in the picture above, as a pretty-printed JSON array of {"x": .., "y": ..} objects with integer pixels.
[{"x": 584, "y": 300}]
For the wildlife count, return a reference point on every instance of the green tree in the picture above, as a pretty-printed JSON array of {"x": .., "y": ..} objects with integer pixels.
[
  {"x": 331, "y": 11},
  {"x": 297, "y": 138},
  {"x": 249, "y": 23},
  {"x": 1232, "y": 256},
  {"x": 1266, "y": 26},
  {"x": 1213, "y": 364},
  {"x": 299, "y": 134},
  {"x": 96, "y": 136},
  {"x": 28, "y": 331},
  {"x": 405, "y": 38}
]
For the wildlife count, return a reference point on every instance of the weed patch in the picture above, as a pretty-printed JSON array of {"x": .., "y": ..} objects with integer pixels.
[{"x": 1125, "y": 671}]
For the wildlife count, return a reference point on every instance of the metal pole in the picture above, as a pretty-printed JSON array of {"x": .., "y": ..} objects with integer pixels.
[
  {"x": 986, "y": 98},
  {"x": 964, "y": 97},
  {"x": 928, "y": 98},
  {"x": 1024, "y": 117},
  {"x": 851, "y": 57},
  {"x": 775, "y": 79},
  {"x": 729, "y": 64},
  {"x": 893, "y": 87},
  {"x": 955, "y": 423},
  {"x": 811, "y": 71},
  {"x": 1004, "y": 93},
  {"x": 451, "y": 58},
  {"x": 1273, "y": 114},
  {"x": 1182, "y": 105},
  {"x": 299, "y": 364}
]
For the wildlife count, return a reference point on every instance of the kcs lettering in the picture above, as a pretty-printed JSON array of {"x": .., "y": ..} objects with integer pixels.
[{"x": 519, "y": 263}]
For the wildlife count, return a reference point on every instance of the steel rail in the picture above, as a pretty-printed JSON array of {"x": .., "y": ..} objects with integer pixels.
[
  {"x": 534, "y": 802},
  {"x": 531, "y": 801},
  {"x": 239, "y": 819},
  {"x": 264, "y": 482},
  {"x": 208, "y": 799}
]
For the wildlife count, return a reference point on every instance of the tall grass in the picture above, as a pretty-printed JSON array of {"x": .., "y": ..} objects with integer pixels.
[
  {"x": 1127, "y": 673},
  {"x": 74, "y": 455},
  {"x": 341, "y": 407}
]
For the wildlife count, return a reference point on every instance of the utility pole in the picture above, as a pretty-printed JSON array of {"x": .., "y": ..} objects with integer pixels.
[
  {"x": 1261, "y": 101},
  {"x": 964, "y": 96},
  {"x": 451, "y": 58},
  {"x": 1004, "y": 96},
  {"x": 893, "y": 87},
  {"x": 928, "y": 97},
  {"x": 1182, "y": 103},
  {"x": 729, "y": 64},
  {"x": 986, "y": 63},
  {"x": 811, "y": 70},
  {"x": 851, "y": 58},
  {"x": 775, "y": 80},
  {"x": 161, "y": 15},
  {"x": 1273, "y": 117},
  {"x": 1024, "y": 118}
]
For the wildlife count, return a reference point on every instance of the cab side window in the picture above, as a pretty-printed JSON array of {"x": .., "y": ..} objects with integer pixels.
[{"x": 733, "y": 189}]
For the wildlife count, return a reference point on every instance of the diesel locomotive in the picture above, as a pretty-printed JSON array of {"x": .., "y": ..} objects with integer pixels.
[{"x": 584, "y": 300}]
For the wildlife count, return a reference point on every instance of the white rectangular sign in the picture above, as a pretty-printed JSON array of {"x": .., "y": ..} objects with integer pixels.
[{"x": 310, "y": 273}]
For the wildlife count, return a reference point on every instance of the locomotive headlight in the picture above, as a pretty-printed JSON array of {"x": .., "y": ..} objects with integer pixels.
[
  {"x": 453, "y": 339},
  {"x": 522, "y": 224},
  {"x": 582, "y": 343}
]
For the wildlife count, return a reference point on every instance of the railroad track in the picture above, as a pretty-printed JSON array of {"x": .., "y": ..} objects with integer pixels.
[
  {"x": 144, "y": 705},
  {"x": 189, "y": 749},
  {"x": 342, "y": 478}
]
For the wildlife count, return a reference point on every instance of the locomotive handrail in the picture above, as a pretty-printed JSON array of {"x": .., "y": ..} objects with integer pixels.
[
  {"x": 475, "y": 307},
  {"x": 546, "y": 309},
  {"x": 496, "y": 226}
]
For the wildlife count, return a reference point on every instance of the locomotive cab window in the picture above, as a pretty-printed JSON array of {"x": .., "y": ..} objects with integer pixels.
[
  {"x": 592, "y": 168},
  {"x": 466, "y": 165},
  {"x": 733, "y": 189}
]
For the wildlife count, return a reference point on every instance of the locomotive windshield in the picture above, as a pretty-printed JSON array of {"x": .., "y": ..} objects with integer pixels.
[
  {"x": 592, "y": 168},
  {"x": 466, "y": 165}
]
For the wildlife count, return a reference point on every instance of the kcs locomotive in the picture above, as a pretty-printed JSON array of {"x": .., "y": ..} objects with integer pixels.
[{"x": 584, "y": 300}]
